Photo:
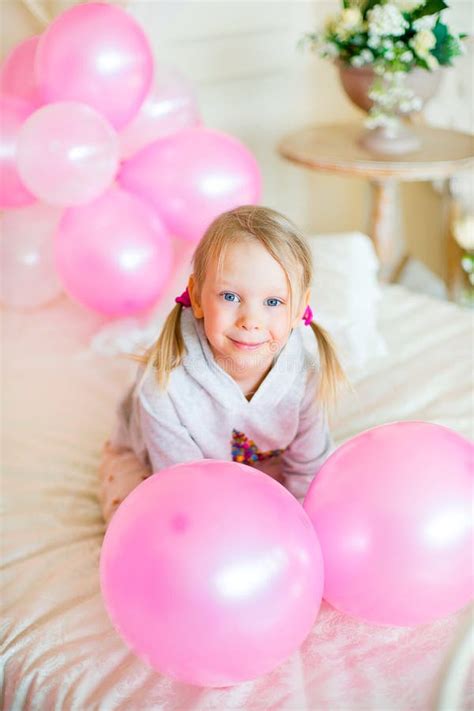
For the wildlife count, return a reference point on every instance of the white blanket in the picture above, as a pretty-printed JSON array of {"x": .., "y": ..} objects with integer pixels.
[{"x": 59, "y": 649}]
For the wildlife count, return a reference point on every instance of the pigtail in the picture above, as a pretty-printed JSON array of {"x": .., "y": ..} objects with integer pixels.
[
  {"x": 332, "y": 374},
  {"x": 168, "y": 350}
]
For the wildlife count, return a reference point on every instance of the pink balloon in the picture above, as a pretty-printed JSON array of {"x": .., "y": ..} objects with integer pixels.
[
  {"x": 17, "y": 75},
  {"x": 392, "y": 508},
  {"x": 13, "y": 193},
  {"x": 169, "y": 107},
  {"x": 29, "y": 278},
  {"x": 67, "y": 153},
  {"x": 193, "y": 176},
  {"x": 211, "y": 572},
  {"x": 98, "y": 54},
  {"x": 113, "y": 255}
]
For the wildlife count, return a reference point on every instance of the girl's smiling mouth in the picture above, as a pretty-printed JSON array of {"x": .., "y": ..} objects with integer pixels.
[{"x": 247, "y": 346}]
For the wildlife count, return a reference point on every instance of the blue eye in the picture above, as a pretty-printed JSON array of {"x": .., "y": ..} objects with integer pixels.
[
  {"x": 234, "y": 299},
  {"x": 229, "y": 293}
]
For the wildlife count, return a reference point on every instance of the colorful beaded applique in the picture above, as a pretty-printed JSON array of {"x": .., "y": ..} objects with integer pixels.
[{"x": 244, "y": 450}]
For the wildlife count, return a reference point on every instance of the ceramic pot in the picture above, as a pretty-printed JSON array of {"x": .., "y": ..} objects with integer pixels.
[
  {"x": 356, "y": 82},
  {"x": 398, "y": 138}
]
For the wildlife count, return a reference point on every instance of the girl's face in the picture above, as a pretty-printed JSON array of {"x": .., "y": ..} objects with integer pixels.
[{"x": 246, "y": 309}]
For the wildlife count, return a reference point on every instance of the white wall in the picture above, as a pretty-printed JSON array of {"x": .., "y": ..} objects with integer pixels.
[{"x": 253, "y": 82}]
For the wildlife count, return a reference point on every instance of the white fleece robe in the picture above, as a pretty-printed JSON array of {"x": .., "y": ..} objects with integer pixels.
[{"x": 205, "y": 414}]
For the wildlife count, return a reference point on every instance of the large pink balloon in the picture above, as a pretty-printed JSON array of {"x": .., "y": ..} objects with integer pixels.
[
  {"x": 67, "y": 153},
  {"x": 211, "y": 572},
  {"x": 96, "y": 53},
  {"x": 113, "y": 255},
  {"x": 13, "y": 192},
  {"x": 170, "y": 106},
  {"x": 29, "y": 278},
  {"x": 193, "y": 176},
  {"x": 17, "y": 75},
  {"x": 392, "y": 508}
]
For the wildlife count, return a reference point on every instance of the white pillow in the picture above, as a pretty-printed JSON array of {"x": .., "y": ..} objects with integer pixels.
[
  {"x": 344, "y": 296},
  {"x": 345, "y": 293}
]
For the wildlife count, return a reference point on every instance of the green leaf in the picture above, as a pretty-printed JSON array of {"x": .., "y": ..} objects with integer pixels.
[
  {"x": 440, "y": 31},
  {"x": 446, "y": 46},
  {"x": 430, "y": 7}
]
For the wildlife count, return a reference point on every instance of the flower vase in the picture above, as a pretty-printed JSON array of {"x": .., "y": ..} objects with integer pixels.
[{"x": 391, "y": 135}]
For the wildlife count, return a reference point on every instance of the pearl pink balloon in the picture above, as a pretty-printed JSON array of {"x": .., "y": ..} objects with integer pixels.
[
  {"x": 392, "y": 508},
  {"x": 113, "y": 255},
  {"x": 97, "y": 54},
  {"x": 170, "y": 106},
  {"x": 193, "y": 176},
  {"x": 67, "y": 153},
  {"x": 17, "y": 75},
  {"x": 13, "y": 192},
  {"x": 211, "y": 572},
  {"x": 29, "y": 278}
]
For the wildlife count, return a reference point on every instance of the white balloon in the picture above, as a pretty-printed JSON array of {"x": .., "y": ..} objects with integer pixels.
[
  {"x": 29, "y": 278},
  {"x": 170, "y": 106}
]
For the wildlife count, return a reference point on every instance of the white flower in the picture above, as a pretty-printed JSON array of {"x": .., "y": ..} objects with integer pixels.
[
  {"x": 410, "y": 104},
  {"x": 463, "y": 231},
  {"x": 422, "y": 42},
  {"x": 351, "y": 17},
  {"x": 431, "y": 61},
  {"x": 386, "y": 20},
  {"x": 347, "y": 22},
  {"x": 373, "y": 41},
  {"x": 376, "y": 119},
  {"x": 329, "y": 49},
  {"x": 330, "y": 23},
  {"x": 407, "y": 5},
  {"x": 406, "y": 56},
  {"x": 365, "y": 57},
  {"x": 427, "y": 22}
]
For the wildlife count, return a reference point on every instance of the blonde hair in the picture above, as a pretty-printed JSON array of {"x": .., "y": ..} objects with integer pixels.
[{"x": 289, "y": 248}]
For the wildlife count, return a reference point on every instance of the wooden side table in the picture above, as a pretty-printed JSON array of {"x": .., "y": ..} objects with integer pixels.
[{"x": 335, "y": 149}]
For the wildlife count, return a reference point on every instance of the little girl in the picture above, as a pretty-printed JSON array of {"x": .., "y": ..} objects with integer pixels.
[{"x": 236, "y": 374}]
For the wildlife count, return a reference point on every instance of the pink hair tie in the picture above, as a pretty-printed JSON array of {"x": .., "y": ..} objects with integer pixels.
[
  {"x": 184, "y": 298},
  {"x": 307, "y": 316}
]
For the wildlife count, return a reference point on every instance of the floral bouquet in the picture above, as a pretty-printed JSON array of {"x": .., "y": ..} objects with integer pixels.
[{"x": 393, "y": 37}]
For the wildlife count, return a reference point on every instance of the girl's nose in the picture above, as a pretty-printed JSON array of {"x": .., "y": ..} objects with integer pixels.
[{"x": 250, "y": 321}]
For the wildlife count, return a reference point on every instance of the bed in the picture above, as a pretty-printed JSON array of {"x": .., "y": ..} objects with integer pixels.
[{"x": 59, "y": 649}]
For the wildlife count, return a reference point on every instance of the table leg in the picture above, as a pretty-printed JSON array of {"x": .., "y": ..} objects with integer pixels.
[
  {"x": 453, "y": 275},
  {"x": 384, "y": 229}
]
